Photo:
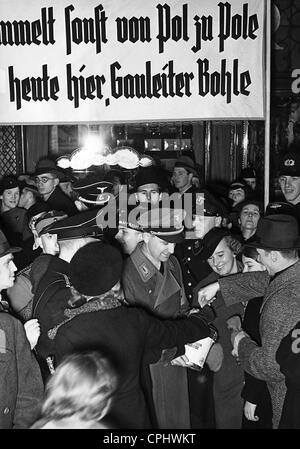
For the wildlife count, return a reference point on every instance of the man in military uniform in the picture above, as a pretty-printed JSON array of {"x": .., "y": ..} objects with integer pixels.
[
  {"x": 206, "y": 216},
  {"x": 152, "y": 278},
  {"x": 52, "y": 292}
]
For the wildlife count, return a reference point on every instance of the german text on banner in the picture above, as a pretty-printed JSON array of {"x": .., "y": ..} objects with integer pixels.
[{"x": 130, "y": 60}]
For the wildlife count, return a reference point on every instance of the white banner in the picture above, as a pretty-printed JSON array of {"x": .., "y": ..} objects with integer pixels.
[{"x": 130, "y": 60}]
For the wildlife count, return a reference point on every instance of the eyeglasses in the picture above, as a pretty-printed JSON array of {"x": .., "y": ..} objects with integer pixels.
[{"x": 43, "y": 179}]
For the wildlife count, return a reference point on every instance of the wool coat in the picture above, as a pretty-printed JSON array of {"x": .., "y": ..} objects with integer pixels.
[
  {"x": 280, "y": 312},
  {"x": 131, "y": 338},
  {"x": 21, "y": 386}
]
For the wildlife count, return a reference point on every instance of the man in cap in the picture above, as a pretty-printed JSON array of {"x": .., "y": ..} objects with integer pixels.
[
  {"x": 21, "y": 387},
  {"x": 183, "y": 173},
  {"x": 21, "y": 293},
  {"x": 289, "y": 179},
  {"x": 276, "y": 241},
  {"x": 47, "y": 176},
  {"x": 52, "y": 292},
  {"x": 152, "y": 278},
  {"x": 147, "y": 185}
]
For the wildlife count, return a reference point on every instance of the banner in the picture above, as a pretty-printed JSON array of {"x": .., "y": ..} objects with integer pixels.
[{"x": 130, "y": 60}]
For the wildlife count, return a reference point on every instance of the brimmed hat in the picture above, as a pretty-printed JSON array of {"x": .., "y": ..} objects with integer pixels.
[
  {"x": 5, "y": 247},
  {"x": 290, "y": 164},
  {"x": 148, "y": 175},
  {"x": 48, "y": 166},
  {"x": 276, "y": 232},
  {"x": 95, "y": 268},
  {"x": 129, "y": 217},
  {"x": 210, "y": 242},
  {"x": 48, "y": 218},
  {"x": 78, "y": 226},
  {"x": 164, "y": 223},
  {"x": 187, "y": 163},
  {"x": 281, "y": 207},
  {"x": 91, "y": 190},
  {"x": 8, "y": 182}
]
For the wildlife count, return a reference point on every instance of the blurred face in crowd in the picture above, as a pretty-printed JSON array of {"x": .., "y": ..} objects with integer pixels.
[
  {"x": 10, "y": 198},
  {"x": 290, "y": 186},
  {"x": 66, "y": 187},
  {"x": 49, "y": 243},
  {"x": 157, "y": 249},
  {"x": 251, "y": 265},
  {"x": 251, "y": 182},
  {"x": 237, "y": 196},
  {"x": 249, "y": 217},
  {"x": 7, "y": 271},
  {"x": 266, "y": 258},
  {"x": 203, "y": 224},
  {"x": 181, "y": 178},
  {"x": 223, "y": 260},
  {"x": 129, "y": 239},
  {"x": 148, "y": 193},
  {"x": 26, "y": 197},
  {"x": 46, "y": 183}
]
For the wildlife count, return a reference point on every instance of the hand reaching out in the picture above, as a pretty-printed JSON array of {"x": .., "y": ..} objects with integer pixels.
[
  {"x": 33, "y": 331},
  {"x": 207, "y": 294}
]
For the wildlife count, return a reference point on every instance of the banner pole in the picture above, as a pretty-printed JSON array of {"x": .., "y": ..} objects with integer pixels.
[{"x": 267, "y": 104}]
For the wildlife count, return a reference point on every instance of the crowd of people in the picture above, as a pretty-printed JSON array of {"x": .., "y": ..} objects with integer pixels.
[{"x": 105, "y": 278}]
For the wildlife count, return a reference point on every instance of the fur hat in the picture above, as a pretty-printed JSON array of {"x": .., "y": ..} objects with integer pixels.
[{"x": 95, "y": 268}]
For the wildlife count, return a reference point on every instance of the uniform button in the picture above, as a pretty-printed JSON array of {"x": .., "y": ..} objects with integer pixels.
[
  {"x": 189, "y": 247},
  {"x": 6, "y": 411},
  {"x": 150, "y": 291},
  {"x": 189, "y": 284},
  {"x": 190, "y": 296},
  {"x": 188, "y": 258},
  {"x": 188, "y": 271}
]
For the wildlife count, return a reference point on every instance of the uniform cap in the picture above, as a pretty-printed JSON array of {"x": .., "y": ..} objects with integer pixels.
[
  {"x": 290, "y": 164},
  {"x": 164, "y": 223},
  {"x": 48, "y": 218},
  {"x": 78, "y": 226},
  {"x": 95, "y": 268},
  {"x": 187, "y": 163}
]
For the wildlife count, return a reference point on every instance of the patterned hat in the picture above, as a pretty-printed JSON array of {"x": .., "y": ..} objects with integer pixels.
[{"x": 290, "y": 165}]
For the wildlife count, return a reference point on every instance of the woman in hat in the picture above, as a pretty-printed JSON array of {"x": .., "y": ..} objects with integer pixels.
[
  {"x": 220, "y": 250},
  {"x": 14, "y": 221}
]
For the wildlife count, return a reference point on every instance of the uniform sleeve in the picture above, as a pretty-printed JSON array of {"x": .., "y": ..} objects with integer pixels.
[
  {"x": 30, "y": 385},
  {"x": 288, "y": 356},
  {"x": 164, "y": 334}
]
